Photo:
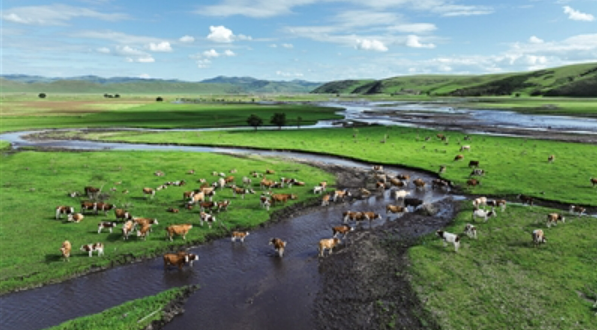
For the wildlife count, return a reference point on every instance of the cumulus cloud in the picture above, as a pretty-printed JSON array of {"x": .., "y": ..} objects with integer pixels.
[
  {"x": 186, "y": 39},
  {"x": 57, "y": 14},
  {"x": 576, "y": 15},
  {"x": 535, "y": 40},
  {"x": 414, "y": 42},
  {"x": 132, "y": 54},
  {"x": 371, "y": 44},
  {"x": 212, "y": 53},
  {"x": 222, "y": 34},
  {"x": 163, "y": 46},
  {"x": 147, "y": 59},
  {"x": 228, "y": 52}
]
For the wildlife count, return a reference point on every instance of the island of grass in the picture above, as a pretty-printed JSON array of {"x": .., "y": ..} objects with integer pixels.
[{"x": 33, "y": 184}]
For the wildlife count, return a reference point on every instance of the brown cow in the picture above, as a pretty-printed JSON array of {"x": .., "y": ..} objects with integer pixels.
[
  {"x": 223, "y": 205},
  {"x": 353, "y": 216},
  {"x": 539, "y": 237},
  {"x": 106, "y": 224},
  {"x": 395, "y": 209},
  {"x": 325, "y": 200},
  {"x": 206, "y": 206},
  {"x": 240, "y": 235},
  {"x": 127, "y": 228},
  {"x": 92, "y": 192},
  {"x": 404, "y": 177},
  {"x": 104, "y": 207},
  {"x": 60, "y": 210},
  {"x": 149, "y": 192},
  {"x": 458, "y": 157},
  {"x": 473, "y": 182},
  {"x": 342, "y": 229},
  {"x": 279, "y": 246},
  {"x": 65, "y": 250},
  {"x": 282, "y": 198},
  {"x": 473, "y": 163},
  {"x": 180, "y": 230},
  {"x": 594, "y": 182},
  {"x": 553, "y": 218},
  {"x": 210, "y": 219},
  {"x": 123, "y": 214},
  {"x": 419, "y": 184},
  {"x": 179, "y": 259},
  {"x": 172, "y": 210},
  {"x": 146, "y": 222},
  {"x": 328, "y": 244},
  {"x": 144, "y": 232},
  {"x": 75, "y": 217},
  {"x": 551, "y": 158},
  {"x": 577, "y": 209},
  {"x": 88, "y": 206},
  {"x": 187, "y": 195},
  {"x": 341, "y": 194}
]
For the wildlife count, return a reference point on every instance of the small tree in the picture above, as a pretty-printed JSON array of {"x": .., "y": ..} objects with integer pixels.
[
  {"x": 254, "y": 121},
  {"x": 299, "y": 120},
  {"x": 159, "y": 99},
  {"x": 116, "y": 96},
  {"x": 106, "y": 95},
  {"x": 279, "y": 119},
  {"x": 42, "y": 95}
]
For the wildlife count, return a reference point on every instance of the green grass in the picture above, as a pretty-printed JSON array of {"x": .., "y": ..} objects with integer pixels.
[
  {"x": 4, "y": 145},
  {"x": 500, "y": 281},
  {"x": 32, "y": 184},
  {"x": 127, "y": 315},
  {"x": 513, "y": 165},
  {"x": 581, "y": 107}
]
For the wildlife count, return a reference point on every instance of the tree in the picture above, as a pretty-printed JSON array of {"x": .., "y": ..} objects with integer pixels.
[
  {"x": 116, "y": 96},
  {"x": 105, "y": 95},
  {"x": 42, "y": 95},
  {"x": 159, "y": 99},
  {"x": 254, "y": 121},
  {"x": 279, "y": 119},
  {"x": 299, "y": 120}
]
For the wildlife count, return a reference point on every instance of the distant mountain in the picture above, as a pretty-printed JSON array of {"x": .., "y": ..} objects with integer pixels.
[
  {"x": 93, "y": 84},
  {"x": 574, "y": 80}
]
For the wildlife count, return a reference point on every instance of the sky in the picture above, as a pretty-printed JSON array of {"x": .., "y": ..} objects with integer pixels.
[{"x": 314, "y": 40}]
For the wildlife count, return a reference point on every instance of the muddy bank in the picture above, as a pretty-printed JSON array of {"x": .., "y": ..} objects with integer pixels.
[{"x": 173, "y": 309}]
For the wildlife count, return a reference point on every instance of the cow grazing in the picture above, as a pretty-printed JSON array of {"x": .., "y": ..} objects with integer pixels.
[
  {"x": 470, "y": 231},
  {"x": 241, "y": 191},
  {"x": 395, "y": 209},
  {"x": 240, "y": 235},
  {"x": 172, "y": 210},
  {"x": 553, "y": 218},
  {"x": 127, "y": 229},
  {"x": 106, "y": 224},
  {"x": 203, "y": 206},
  {"x": 478, "y": 202},
  {"x": 449, "y": 238},
  {"x": 458, "y": 157},
  {"x": 341, "y": 194},
  {"x": 162, "y": 187},
  {"x": 483, "y": 214},
  {"x": 465, "y": 147},
  {"x": 60, "y": 210},
  {"x": 327, "y": 244},
  {"x": 88, "y": 206},
  {"x": 539, "y": 237},
  {"x": 477, "y": 172},
  {"x": 525, "y": 199},
  {"x": 279, "y": 246},
  {"x": 223, "y": 205},
  {"x": 414, "y": 202},
  {"x": 180, "y": 230},
  {"x": 150, "y": 192},
  {"x": 122, "y": 214},
  {"x": 577, "y": 209},
  {"x": 266, "y": 183},
  {"x": 105, "y": 207},
  {"x": 191, "y": 172},
  {"x": 342, "y": 229},
  {"x": 401, "y": 194},
  {"x": 90, "y": 248},
  {"x": 501, "y": 203},
  {"x": 142, "y": 222},
  {"x": 473, "y": 182},
  {"x": 419, "y": 184},
  {"x": 210, "y": 219},
  {"x": 282, "y": 198},
  {"x": 65, "y": 250},
  {"x": 92, "y": 192},
  {"x": 325, "y": 200},
  {"x": 473, "y": 163},
  {"x": 144, "y": 231},
  {"x": 75, "y": 217},
  {"x": 229, "y": 179},
  {"x": 551, "y": 159},
  {"x": 198, "y": 197},
  {"x": 268, "y": 171}
]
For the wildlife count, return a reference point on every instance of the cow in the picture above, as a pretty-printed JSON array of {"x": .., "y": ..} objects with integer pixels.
[
  {"x": 577, "y": 209},
  {"x": 127, "y": 228},
  {"x": 179, "y": 259},
  {"x": 473, "y": 182},
  {"x": 352, "y": 216},
  {"x": 149, "y": 191},
  {"x": 240, "y": 235},
  {"x": 279, "y": 246},
  {"x": 401, "y": 194},
  {"x": 158, "y": 173},
  {"x": 265, "y": 183},
  {"x": 442, "y": 169},
  {"x": 206, "y": 206},
  {"x": 501, "y": 203},
  {"x": 465, "y": 147},
  {"x": 265, "y": 201},
  {"x": 478, "y": 202},
  {"x": 341, "y": 194},
  {"x": 106, "y": 224},
  {"x": 88, "y": 206},
  {"x": 146, "y": 222},
  {"x": 178, "y": 183},
  {"x": 377, "y": 168},
  {"x": 162, "y": 187},
  {"x": 223, "y": 205},
  {"x": 364, "y": 192},
  {"x": 318, "y": 190},
  {"x": 172, "y": 210},
  {"x": 342, "y": 229},
  {"x": 419, "y": 184},
  {"x": 229, "y": 179},
  {"x": 399, "y": 183},
  {"x": 75, "y": 217},
  {"x": 403, "y": 177},
  {"x": 483, "y": 214},
  {"x": 144, "y": 231},
  {"x": 122, "y": 214},
  {"x": 539, "y": 237},
  {"x": 473, "y": 163},
  {"x": 181, "y": 230},
  {"x": 470, "y": 231},
  {"x": 323, "y": 184},
  {"x": 594, "y": 182},
  {"x": 371, "y": 216},
  {"x": 442, "y": 184},
  {"x": 65, "y": 250},
  {"x": 325, "y": 200},
  {"x": 380, "y": 186},
  {"x": 458, "y": 157},
  {"x": 207, "y": 192},
  {"x": 268, "y": 171},
  {"x": 207, "y": 218},
  {"x": 477, "y": 172},
  {"x": 241, "y": 191},
  {"x": 198, "y": 197},
  {"x": 449, "y": 238},
  {"x": 414, "y": 202},
  {"x": 525, "y": 199},
  {"x": 327, "y": 244},
  {"x": 277, "y": 198},
  {"x": 246, "y": 181},
  {"x": 60, "y": 210},
  {"x": 441, "y": 136},
  {"x": 92, "y": 192},
  {"x": 395, "y": 209},
  {"x": 187, "y": 195},
  {"x": 105, "y": 207},
  {"x": 99, "y": 247},
  {"x": 191, "y": 172},
  {"x": 553, "y": 218},
  {"x": 551, "y": 158}
]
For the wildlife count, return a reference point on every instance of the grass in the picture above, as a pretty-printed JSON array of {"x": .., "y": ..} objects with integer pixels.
[
  {"x": 34, "y": 183},
  {"x": 513, "y": 165},
  {"x": 127, "y": 315},
  {"x": 581, "y": 107},
  {"x": 500, "y": 281}
]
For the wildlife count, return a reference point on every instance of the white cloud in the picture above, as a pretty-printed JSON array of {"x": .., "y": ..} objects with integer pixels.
[
  {"x": 229, "y": 53},
  {"x": 535, "y": 40},
  {"x": 273, "y": 46},
  {"x": 576, "y": 15},
  {"x": 211, "y": 53},
  {"x": 371, "y": 44},
  {"x": 289, "y": 46},
  {"x": 414, "y": 42},
  {"x": 132, "y": 54},
  {"x": 147, "y": 59},
  {"x": 57, "y": 14},
  {"x": 222, "y": 34},
  {"x": 289, "y": 74},
  {"x": 413, "y": 28},
  {"x": 103, "y": 50},
  {"x": 114, "y": 36},
  {"x": 186, "y": 39},
  {"x": 203, "y": 63},
  {"x": 252, "y": 8},
  {"x": 163, "y": 46},
  {"x": 144, "y": 76}
]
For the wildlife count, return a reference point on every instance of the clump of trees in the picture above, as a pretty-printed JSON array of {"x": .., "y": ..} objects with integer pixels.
[
  {"x": 42, "y": 95},
  {"x": 279, "y": 119},
  {"x": 254, "y": 121},
  {"x": 109, "y": 96}
]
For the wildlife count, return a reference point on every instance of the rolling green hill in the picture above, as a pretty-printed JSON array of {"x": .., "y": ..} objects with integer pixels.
[{"x": 574, "y": 80}]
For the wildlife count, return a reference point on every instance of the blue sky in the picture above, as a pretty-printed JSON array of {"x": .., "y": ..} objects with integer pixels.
[{"x": 316, "y": 40}]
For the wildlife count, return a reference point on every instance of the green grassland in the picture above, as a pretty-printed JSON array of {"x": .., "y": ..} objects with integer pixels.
[
  {"x": 127, "y": 315},
  {"x": 581, "y": 107},
  {"x": 513, "y": 165},
  {"x": 32, "y": 184},
  {"x": 573, "y": 80},
  {"x": 501, "y": 281},
  {"x": 67, "y": 111}
]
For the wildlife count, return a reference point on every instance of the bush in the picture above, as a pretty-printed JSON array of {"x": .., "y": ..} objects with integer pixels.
[
  {"x": 159, "y": 99},
  {"x": 42, "y": 95}
]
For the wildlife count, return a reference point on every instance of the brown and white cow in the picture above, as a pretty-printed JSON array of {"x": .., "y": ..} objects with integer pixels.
[
  {"x": 75, "y": 217},
  {"x": 60, "y": 210},
  {"x": 342, "y": 229},
  {"x": 92, "y": 192},
  {"x": 470, "y": 231},
  {"x": 377, "y": 168},
  {"x": 449, "y": 238},
  {"x": 395, "y": 209},
  {"x": 501, "y": 203},
  {"x": 105, "y": 207},
  {"x": 180, "y": 230},
  {"x": 106, "y": 224},
  {"x": 539, "y": 237},
  {"x": 203, "y": 206},
  {"x": 328, "y": 244},
  {"x": 282, "y": 198},
  {"x": 441, "y": 184},
  {"x": 325, "y": 200},
  {"x": 577, "y": 209},
  {"x": 90, "y": 248},
  {"x": 146, "y": 222},
  {"x": 179, "y": 259},
  {"x": 241, "y": 191},
  {"x": 150, "y": 192},
  {"x": 551, "y": 158},
  {"x": 240, "y": 235},
  {"x": 371, "y": 216},
  {"x": 172, "y": 210},
  {"x": 465, "y": 147},
  {"x": 223, "y": 205},
  {"x": 403, "y": 177},
  {"x": 122, "y": 214},
  {"x": 88, "y": 206},
  {"x": 144, "y": 231},
  {"x": 65, "y": 250},
  {"x": 198, "y": 197},
  {"x": 127, "y": 228},
  {"x": 399, "y": 183},
  {"x": 553, "y": 218},
  {"x": 187, "y": 195},
  {"x": 594, "y": 182},
  {"x": 279, "y": 246},
  {"x": 210, "y": 219},
  {"x": 341, "y": 194},
  {"x": 419, "y": 184},
  {"x": 473, "y": 182}
]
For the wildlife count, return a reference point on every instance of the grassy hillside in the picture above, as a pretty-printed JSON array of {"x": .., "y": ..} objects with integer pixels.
[{"x": 573, "y": 80}]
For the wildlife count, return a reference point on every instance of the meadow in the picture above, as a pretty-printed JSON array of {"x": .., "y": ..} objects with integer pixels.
[
  {"x": 501, "y": 281},
  {"x": 513, "y": 165},
  {"x": 39, "y": 181},
  {"x": 135, "y": 314}
]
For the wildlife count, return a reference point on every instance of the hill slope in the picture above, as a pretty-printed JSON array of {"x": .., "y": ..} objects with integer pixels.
[{"x": 573, "y": 80}]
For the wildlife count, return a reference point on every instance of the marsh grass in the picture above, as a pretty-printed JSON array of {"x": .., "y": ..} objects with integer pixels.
[{"x": 32, "y": 184}]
